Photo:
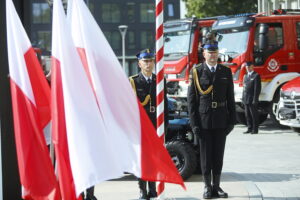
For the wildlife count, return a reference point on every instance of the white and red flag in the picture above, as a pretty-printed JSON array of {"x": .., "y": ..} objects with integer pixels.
[
  {"x": 127, "y": 135},
  {"x": 31, "y": 112}
]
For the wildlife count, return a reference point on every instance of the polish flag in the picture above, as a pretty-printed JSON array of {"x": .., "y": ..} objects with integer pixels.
[
  {"x": 31, "y": 111},
  {"x": 82, "y": 144},
  {"x": 127, "y": 140}
]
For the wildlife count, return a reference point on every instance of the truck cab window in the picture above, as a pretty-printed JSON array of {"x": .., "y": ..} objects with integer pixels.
[
  {"x": 298, "y": 34},
  {"x": 275, "y": 42}
]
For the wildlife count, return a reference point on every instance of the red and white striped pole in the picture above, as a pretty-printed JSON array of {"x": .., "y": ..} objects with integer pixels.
[{"x": 160, "y": 78}]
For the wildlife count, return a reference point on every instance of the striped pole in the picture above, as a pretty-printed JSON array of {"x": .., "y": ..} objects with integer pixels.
[{"x": 160, "y": 78}]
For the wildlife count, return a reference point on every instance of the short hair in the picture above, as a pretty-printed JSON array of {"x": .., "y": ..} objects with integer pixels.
[{"x": 249, "y": 63}]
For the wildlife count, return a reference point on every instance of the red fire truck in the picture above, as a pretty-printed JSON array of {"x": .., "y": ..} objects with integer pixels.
[
  {"x": 288, "y": 112},
  {"x": 272, "y": 43},
  {"x": 181, "y": 52}
]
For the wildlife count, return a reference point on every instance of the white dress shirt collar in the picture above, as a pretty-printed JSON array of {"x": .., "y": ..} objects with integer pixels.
[
  {"x": 146, "y": 77},
  {"x": 209, "y": 66}
]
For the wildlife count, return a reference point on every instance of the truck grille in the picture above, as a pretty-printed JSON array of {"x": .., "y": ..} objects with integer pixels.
[{"x": 292, "y": 104}]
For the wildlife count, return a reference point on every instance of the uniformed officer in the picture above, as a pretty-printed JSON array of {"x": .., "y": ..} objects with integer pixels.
[
  {"x": 144, "y": 85},
  {"x": 211, "y": 108},
  {"x": 251, "y": 91}
]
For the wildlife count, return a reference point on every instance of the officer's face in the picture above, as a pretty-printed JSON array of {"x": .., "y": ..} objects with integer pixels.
[
  {"x": 211, "y": 57},
  {"x": 146, "y": 66},
  {"x": 249, "y": 68}
]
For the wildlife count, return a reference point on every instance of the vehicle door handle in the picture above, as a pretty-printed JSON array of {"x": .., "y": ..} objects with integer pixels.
[{"x": 284, "y": 67}]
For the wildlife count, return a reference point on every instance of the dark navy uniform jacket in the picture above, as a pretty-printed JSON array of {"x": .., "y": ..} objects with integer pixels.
[
  {"x": 216, "y": 109},
  {"x": 252, "y": 88},
  {"x": 143, "y": 89}
]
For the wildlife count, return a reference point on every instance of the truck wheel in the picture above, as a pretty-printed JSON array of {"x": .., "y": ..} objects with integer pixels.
[
  {"x": 262, "y": 117},
  {"x": 183, "y": 156},
  {"x": 271, "y": 112},
  {"x": 241, "y": 118},
  {"x": 297, "y": 130}
]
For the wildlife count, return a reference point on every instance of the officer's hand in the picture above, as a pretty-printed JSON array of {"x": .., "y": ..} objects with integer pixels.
[
  {"x": 196, "y": 131},
  {"x": 229, "y": 129}
]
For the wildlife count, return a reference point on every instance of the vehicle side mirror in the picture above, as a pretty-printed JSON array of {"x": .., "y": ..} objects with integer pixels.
[
  {"x": 262, "y": 37},
  {"x": 262, "y": 42},
  {"x": 205, "y": 30},
  {"x": 220, "y": 37},
  {"x": 263, "y": 29}
]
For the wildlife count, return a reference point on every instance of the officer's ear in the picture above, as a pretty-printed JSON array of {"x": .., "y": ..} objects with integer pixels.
[
  {"x": 138, "y": 62},
  {"x": 204, "y": 52}
]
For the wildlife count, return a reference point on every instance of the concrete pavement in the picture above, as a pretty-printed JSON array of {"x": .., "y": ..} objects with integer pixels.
[
  {"x": 127, "y": 189},
  {"x": 263, "y": 166},
  {"x": 270, "y": 160}
]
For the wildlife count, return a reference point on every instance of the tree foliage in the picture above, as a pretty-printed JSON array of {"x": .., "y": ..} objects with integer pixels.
[{"x": 210, "y": 8}]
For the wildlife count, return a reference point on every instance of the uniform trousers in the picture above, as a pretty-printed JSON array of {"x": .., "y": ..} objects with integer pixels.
[
  {"x": 251, "y": 117},
  {"x": 212, "y": 145}
]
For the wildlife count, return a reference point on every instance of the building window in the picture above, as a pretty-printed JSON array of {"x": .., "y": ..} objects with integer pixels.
[
  {"x": 91, "y": 6},
  {"x": 44, "y": 40},
  {"x": 114, "y": 39},
  {"x": 41, "y": 13},
  {"x": 110, "y": 13},
  {"x": 131, "y": 40},
  {"x": 170, "y": 10},
  {"x": 147, "y": 39},
  {"x": 133, "y": 67},
  {"x": 147, "y": 12},
  {"x": 131, "y": 12}
]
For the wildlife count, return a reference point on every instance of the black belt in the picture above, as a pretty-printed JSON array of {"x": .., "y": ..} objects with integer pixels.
[{"x": 215, "y": 104}]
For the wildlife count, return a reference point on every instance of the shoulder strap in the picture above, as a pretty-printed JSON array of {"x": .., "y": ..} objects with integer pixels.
[
  {"x": 197, "y": 84},
  {"x": 147, "y": 98},
  {"x": 132, "y": 84}
]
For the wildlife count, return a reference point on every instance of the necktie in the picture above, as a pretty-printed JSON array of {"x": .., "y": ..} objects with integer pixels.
[
  {"x": 213, "y": 69},
  {"x": 149, "y": 81}
]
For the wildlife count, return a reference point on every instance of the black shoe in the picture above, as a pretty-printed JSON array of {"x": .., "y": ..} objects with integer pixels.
[
  {"x": 248, "y": 131},
  {"x": 152, "y": 195},
  {"x": 207, "y": 194},
  {"x": 143, "y": 195},
  {"x": 254, "y": 132},
  {"x": 218, "y": 192},
  {"x": 91, "y": 198}
]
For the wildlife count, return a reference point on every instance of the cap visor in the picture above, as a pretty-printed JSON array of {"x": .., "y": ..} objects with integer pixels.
[{"x": 147, "y": 59}]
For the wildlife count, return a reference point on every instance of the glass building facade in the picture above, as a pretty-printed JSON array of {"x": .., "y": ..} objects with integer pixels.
[{"x": 138, "y": 15}]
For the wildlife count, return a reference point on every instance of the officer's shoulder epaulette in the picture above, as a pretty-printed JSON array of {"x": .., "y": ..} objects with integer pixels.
[
  {"x": 134, "y": 76},
  {"x": 198, "y": 66},
  {"x": 225, "y": 66}
]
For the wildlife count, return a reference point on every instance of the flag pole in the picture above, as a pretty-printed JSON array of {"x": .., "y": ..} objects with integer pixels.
[
  {"x": 10, "y": 184},
  {"x": 160, "y": 80}
]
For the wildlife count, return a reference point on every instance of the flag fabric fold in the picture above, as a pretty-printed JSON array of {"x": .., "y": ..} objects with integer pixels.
[
  {"x": 79, "y": 135},
  {"x": 132, "y": 135},
  {"x": 31, "y": 112}
]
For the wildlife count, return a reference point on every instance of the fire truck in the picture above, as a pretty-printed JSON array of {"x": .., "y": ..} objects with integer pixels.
[
  {"x": 272, "y": 43},
  {"x": 288, "y": 111},
  {"x": 183, "y": 38}
]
